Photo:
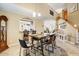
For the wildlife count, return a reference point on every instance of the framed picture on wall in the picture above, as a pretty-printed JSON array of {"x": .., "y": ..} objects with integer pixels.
[{"x": 62, "y": 25}]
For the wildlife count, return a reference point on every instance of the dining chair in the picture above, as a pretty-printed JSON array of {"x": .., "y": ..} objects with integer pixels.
[
  {"x": 50, "y": 43},
  {"x": 23, "y": 45}
]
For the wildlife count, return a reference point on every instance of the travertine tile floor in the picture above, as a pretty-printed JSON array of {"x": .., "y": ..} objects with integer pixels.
[
  {"x": 72, "y": 50},
  {"x": 11, "y": 51},
  {"x": 62, "y": 49},
  {"x": 14, "y": 51}
]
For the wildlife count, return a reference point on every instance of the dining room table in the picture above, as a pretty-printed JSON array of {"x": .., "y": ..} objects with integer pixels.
[{"x": 40, "y": 37}]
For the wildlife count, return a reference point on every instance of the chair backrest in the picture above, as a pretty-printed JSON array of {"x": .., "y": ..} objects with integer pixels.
[
  {"x": 35, "y": 38},
  {"x": 23, "y": 43},
  {"x": 53, "y": 37}
]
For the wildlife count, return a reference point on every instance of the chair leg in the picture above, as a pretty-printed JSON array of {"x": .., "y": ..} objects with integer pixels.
[
  {"x": 20, "y": 52},
  {"x": 26, "y": 52},
  {"x": 53, "y": 48},
  {"x": 48, "y": 50},
  {"x": 35, "y": 53}
]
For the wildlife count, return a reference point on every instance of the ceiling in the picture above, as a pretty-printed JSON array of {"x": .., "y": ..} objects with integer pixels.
[
  {"x": 28, "y": 8},
  {"x": 57, "y": 6},
  {"x": 15, "y": 9},
  {"x": 23, "y": 9}
]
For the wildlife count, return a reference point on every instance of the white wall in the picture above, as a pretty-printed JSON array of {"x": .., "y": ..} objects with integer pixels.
[
  {"x": 13, "y": 33},
  {"x": 39, "y": 26},
  {"x": 69, "y": 30}
]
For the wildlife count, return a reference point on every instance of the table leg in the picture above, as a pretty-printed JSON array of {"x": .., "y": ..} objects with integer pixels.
[{"x": 42, "y": 47}]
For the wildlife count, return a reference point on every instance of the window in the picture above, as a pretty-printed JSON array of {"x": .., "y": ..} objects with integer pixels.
[
  {"x": 26, "y": 25},
  {"x": 49, "y": 25}
]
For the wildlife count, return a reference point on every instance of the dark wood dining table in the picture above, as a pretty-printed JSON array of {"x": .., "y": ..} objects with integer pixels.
[{"x": 40, "y": 37}]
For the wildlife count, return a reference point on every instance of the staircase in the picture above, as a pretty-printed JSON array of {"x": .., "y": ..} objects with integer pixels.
[
  {"x": 65, "y": 16},
  {"x": 74, "y": 29}
]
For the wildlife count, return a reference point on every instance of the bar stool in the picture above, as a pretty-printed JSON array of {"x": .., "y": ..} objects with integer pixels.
[{"x": 23, "y": 45}]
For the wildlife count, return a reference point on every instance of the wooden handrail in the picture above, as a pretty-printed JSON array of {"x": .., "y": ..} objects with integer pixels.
[{"x": 65, "y": 17}]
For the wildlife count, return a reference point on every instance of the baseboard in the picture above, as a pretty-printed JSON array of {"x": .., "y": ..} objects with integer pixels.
[
  {"x": 70, "y": 42},
  {"x": 13, "y": 44}
]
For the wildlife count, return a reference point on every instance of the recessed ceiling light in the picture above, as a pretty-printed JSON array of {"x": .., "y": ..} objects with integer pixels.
[
  {"x": 75, "y": 25},
  {"x": 34, "y": 14},
  {"x": 39, "y": 14}
]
